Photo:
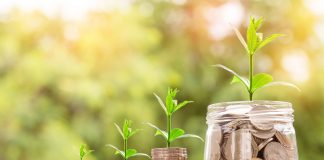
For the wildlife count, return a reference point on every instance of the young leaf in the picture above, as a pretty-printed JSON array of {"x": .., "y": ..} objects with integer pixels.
[
  {"x": 120, "y": 131},
  {"x": 240, "y": 37},
  {"x": 133, "y": 132},
  {"x": 161, "y": 103},
  {"x": 238, "y": 77},
  {"x": 170, "y": 105},
  {"x": 84, "y": 151},
  {"x": 260, "y": 80},
  {"x": 175, "y": 133},
  {"x": 282, "y": 84},
  {"x": 258, "y": 23},
  {"x": 164, "y": 134},
  {"x": 268, "y": 40},
  {"x": 190, "y": 136},
  {"x": 182, "y": 104},
  {"x": 117, "y": 151},
  {"x": 140, "y": 154},
  {"x": 130, "y": 153},
  {"x": 126, "y": 128},
  {"x": 251, "y": 37}
]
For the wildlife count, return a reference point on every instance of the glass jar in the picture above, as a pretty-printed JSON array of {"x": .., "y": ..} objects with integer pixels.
[{"x": 250, "y": 130}]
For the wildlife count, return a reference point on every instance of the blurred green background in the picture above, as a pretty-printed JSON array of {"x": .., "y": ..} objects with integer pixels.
[{"x": 70, "y": 69}]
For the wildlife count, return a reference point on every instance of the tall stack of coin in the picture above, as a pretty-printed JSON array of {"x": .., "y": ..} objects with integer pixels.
[
  {"x": 251, "y": 130},
  {"x": 169, "y": 154}
]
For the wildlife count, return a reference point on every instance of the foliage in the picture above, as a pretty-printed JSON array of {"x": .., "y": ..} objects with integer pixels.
[
  {"x": 254, "y": 41},
  {"x": 126, "y": 132},
  {"x": 170, "y": 107},
  {"x": 84, "y": 152}
]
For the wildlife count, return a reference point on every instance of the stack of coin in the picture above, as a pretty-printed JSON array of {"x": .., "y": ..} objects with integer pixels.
[
  {"x": 254, "y": 134},
  {"x": 169, "y": 154}
]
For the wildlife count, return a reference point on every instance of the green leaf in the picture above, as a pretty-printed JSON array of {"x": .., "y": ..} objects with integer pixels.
[
  {"x": 159, "y": 131},
  {"x": 120, "y": 131},
  {"x": 238, "y": 78},
  {"x": 82, "y": 152},
  {"x": 268, "y": 40},
  {"x": 259, "y": 80},
  {"x": 282, "y": 84},
  {"x": 117, "y": 151},
  {"x": 126, "y": 128},
  {"x": 175, "y": 133},
  {"x": 240, "y": 37},
  {"x": 170, "y": 105},
  {"x": 251, "y": 37},
  {"x": 190, "y": 136},
  {"x": 130, "y": 153},
  {"x": 140, "y": 154},
  {"x": 182, "y": 104},
  {"x": 161, "y": 103},
  {"x": 258, "y": 23},
  {"x": 133, "y": 132}
]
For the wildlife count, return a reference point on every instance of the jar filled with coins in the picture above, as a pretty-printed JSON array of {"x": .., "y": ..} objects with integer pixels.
[{"x": 250, "y": 130}]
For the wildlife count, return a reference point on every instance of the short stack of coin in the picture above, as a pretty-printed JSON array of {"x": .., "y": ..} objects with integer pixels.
[
  {"x": 252, "y": 135},
  {"x": 169, "y": 154}
]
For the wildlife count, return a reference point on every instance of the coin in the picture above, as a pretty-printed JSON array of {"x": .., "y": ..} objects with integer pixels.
[
  {"x": 243, "y": 147},
  {"x": 284, "y": 140},
  {"x": 264, "y": 143},
  {"x": 275, "y": 151},
  {"x": 255, "y": 149},
  {"x": 263, "y": 134},
  {"x": 258, "y": 120}
]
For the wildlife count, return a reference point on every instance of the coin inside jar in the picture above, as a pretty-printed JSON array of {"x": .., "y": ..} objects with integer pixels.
[{"x": 275, "y": 151}]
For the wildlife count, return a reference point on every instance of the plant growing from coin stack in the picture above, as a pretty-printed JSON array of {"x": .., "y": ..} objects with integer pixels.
[
  {"x": 170, "y": 106},
  {"x": 126, "y": 132}
]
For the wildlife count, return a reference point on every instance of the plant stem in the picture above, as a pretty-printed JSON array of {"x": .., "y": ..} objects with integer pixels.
[
  {"x": 125, "y": 148},
  {"x": 169, "y": 130},
  {"x": 251, "y": 75}
]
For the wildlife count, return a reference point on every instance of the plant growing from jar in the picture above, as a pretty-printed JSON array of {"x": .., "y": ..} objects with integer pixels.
[
  {"x": 170, "y": 106},
  {"x": 251, "y": 129},
  {"x": 126, "y": 132}
]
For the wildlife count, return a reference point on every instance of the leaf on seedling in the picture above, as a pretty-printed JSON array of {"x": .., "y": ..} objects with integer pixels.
[
  {"x": 159, "y": 131},
  {"x": 268, "y": 40},
  {"x": 182, "y": 104},
  {"x": 84, "y": 152},
  {"x": 251, "y": 37},
  {"x": 282, "y": 84},
  {"x": 240, "y": 37},
  {"x": 117, "y": 151},
  {"x": 170, "y": 105},
  {"x": 260, "y": 80},
  {"x": 120, "y": 131},
  {"x": 140, "y": 154},
  {"x": 161, "y": 103},
  {"x": 130, "y": 153},
  {"x": 133, "y": 132},
  {"x": 190, "y": 136},
  {"x": 237, "y": 78},
  {"x": 258, "y": 23},
  {"x": 175, "y": 133},
  {"x": 126, "y": 129}
]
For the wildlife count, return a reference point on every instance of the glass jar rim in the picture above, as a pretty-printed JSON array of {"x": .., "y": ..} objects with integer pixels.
[{"x": 277, "y": 110}]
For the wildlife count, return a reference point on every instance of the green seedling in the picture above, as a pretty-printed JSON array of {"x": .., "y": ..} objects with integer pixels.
[
  {"x": 126, "y": 132},
  {"x": 170, "y": 107},
  {"x": 84, "y": 152},
  {"x": 254, "y": 42}
]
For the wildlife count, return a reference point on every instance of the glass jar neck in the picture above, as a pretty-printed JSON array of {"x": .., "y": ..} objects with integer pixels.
[{"x": 245, "y": 110}]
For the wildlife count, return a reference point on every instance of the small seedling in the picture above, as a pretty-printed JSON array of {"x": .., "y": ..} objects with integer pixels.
[
  {"x": 254, "y": 42},
  {"x": 84, "y": 152},
  {"x": 126, "y": 133},
  {"x": 170, "y": 107}
]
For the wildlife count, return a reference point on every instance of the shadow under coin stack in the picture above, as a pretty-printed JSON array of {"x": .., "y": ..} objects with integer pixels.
[{"x": 251, "y": 130}]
